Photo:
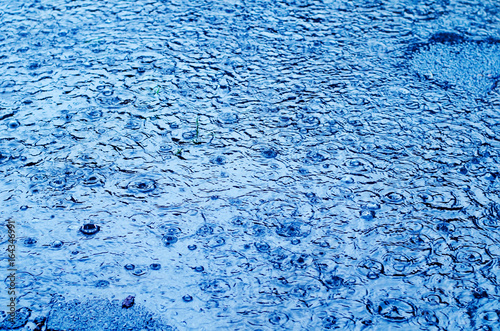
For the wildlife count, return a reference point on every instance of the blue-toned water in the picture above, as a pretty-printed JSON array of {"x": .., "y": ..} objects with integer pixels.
[{"x": 251, "y": 165}]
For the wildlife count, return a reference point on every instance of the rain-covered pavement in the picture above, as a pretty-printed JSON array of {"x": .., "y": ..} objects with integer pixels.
[{"x": 252, "y": 165}]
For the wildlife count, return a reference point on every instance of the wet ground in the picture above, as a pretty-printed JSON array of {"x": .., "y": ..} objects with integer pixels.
[{"x": 252, "y": 165}]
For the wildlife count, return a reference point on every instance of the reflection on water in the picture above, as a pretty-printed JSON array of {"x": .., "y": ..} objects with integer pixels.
[{"x": 252, "y": 165}]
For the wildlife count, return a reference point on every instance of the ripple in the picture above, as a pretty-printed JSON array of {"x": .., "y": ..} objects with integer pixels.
[
  {"x": 395, "y": 310},
  {"x": 293, "y": 229},
  {"x": 492, "y": 216},
  {"x": 22, "y": 280},
  {"x": 333, "y": 281},
  {"x": 228, "y": 118},
  {"x": 216, "y": 286},
  {"x": 394, "y": 198},
  {"x": 219, "y": 160},
  {"x": 92, "y": 114},
  {"x": 141, "y": 186},
  {"x": 444, "y": 200},
  {"x": 4, "y": 157},
  {"x": 269, "y": 153},
  {"x": 205, "y": 230},
  {"x": 358, "y": 166},
  {"x": 102, "y": 283},
  {"x": 309, "y": 122},
  {"x": 278, "y": 319},
  {"x": 315, "y": 157},
  {"x": 93, "y": 180},
  {"x": 59, "y": 183},
  {"x": 262, "y": 247},
  {"x": 370, "y": 268}
]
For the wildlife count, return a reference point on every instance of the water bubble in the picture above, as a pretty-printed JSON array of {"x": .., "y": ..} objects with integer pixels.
[
  {"x": 192, "y": 247},
  {"x": 29, "y": 241},
  {"x": 139, "y": 271},
  {"x": 129, "y": 267},
  {"x": 169, "y": 240},
  {"x": 13, "y": 124},
  {"x": 367, "y": 214},
  {"x": 57, "y": 244},
  {"x": 155, "y": 266},
  {"x": 187, "y": 298},
  {"x": 89, "y": 229},
  {"x": 199, "y": 269}
]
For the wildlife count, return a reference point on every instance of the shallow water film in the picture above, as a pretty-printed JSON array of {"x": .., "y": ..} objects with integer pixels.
[{"x": 250, "y": 165}]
